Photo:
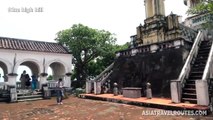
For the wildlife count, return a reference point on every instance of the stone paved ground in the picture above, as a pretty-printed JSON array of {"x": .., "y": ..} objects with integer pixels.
[{"x": 80, "y": 109}]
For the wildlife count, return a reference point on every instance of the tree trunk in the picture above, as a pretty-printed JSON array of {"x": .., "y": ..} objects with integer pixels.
[{"x": 81, "y": 76}]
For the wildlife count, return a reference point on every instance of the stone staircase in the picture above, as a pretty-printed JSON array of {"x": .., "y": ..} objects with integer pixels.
[
  {"x": 101, "y": 83},
  {"x": 196, "y": 73},
  {"x": 4, "y": 96},
  {"x": 28, "y": 95},
  {"x": 4, "y": 92}
]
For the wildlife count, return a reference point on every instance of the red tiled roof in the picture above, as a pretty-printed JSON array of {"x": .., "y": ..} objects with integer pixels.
[{"x": 29, "y": 45}]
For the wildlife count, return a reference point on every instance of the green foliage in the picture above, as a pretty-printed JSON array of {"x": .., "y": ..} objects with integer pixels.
[
  {"x": 50, "y": 77},
  {"x": 206, "y": 6},
  {"x": 79, "y": 91},
  {"x": 99, "y": 64},
  {"x": 86, "y": 44}
]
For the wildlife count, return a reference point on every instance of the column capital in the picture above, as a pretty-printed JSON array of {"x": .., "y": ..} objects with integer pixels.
[
  {"x": 44, "y": 74},
  {"x": 68, "y": 74},
  {"x": 12, "y": 74}
]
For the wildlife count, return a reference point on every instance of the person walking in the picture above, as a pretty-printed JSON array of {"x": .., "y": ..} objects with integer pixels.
[{"x": 60, "y": 91}]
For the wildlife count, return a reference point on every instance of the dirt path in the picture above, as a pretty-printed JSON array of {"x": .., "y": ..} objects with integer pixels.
[{"x": 81, "y": 109}]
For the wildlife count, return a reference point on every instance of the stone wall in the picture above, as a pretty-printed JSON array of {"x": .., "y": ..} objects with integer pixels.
[{"x": 157, "y": 68}]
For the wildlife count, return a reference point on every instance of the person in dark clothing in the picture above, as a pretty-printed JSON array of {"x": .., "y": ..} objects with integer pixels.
[
  {"x": 60, "y": 93},
  {"x": 27, "y": 83},
  {"x": 25, "y": 80}
]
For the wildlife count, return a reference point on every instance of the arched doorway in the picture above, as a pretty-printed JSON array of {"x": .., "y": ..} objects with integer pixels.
[
  {"x": 50, "y": 73},
  {"x": 3, "y": 72},
  {"x": 21, "y": 68},
  {"x": 57, "y": 69},
  {"x": 31, "y": 68}
]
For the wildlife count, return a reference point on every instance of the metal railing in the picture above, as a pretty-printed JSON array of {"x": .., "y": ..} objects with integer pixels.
[
  {"x": 52, "y": 84},
  {"x": 3, "y": 86}
]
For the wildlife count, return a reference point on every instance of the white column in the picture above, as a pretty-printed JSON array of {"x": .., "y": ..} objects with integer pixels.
[
  {"x": 88, "y": 86},
  {"x": 97, "y": 87},
  {"x": 175, "y": 91},
  {"x": 12, "y": 79},
  {"x": 43, "y": 80},
  {"x": 202, "y": 92},
  {"x": 67, "y": 81}
]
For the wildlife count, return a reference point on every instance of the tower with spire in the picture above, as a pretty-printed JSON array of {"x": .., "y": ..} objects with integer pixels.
[{"x": 157, "y": 27}]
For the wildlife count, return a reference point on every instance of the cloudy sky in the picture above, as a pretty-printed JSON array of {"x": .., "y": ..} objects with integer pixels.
[
  {"x": 46, "y": 17},
  {"x": 117, "y": 16}
]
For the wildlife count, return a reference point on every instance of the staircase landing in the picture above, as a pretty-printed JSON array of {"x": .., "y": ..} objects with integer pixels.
[{"x": 162, "y": 103}]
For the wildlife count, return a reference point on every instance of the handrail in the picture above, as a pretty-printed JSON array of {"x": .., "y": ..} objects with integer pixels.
[
  {"x": 3, "y": 86},
  {"x": 105, "y": 78},
  {"x": 186, "y": 68},
  {"x": 208, "y": 64},
  {"x": 102, "y": 73}
]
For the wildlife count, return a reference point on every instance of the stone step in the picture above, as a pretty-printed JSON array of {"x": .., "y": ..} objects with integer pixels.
[
  {"x": 30, "y": 96},
  {"x": 32, "y": 99},
  {"x": 205, "y": 48},
  {"x": 195, "y": 77},
  {"x": 190, "y": 81},
  {"x": 189, "y": 85},
  {"x": 195, "y": 69},
  {"x": 190, "y": 94},
  {"x": 201, "y": 59},
  {"x": 197, "y": 72},
  {"x": 189, "y": 90},
  {"x": 203, "y": 52},
  {"x": 28, "y": 93},
  {"x": 4, "y": 99},
  {"x": 190, "y": 100}
]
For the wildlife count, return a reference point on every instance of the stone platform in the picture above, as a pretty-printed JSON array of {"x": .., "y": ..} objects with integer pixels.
[{"x": 162, "y": 103}]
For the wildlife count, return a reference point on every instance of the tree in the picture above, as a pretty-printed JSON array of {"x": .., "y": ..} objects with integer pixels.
[
  {"x": 50, "y": 77},
  {"x": 205, "y": 6},
  {"x": 202, "y": 7},
  {"x": 86, "y": 44},
  {"x": 96, "y": 66}
]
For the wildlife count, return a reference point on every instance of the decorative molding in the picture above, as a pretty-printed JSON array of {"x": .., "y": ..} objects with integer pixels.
[
  {"x": 44, "y": 74},
  {"x": 68, "y": 74},
  {"x": 12, "y": 74}
]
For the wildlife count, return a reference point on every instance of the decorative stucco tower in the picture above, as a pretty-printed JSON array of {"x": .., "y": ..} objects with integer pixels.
[
  {"x": 158, "y": 27},
  {"x": 154, "y": 7}
]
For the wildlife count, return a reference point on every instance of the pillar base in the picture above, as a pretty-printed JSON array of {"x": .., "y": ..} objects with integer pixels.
[
  {"x": 12, "y": 79},
  {"x": 67, "y": 81},
  {"x": 175, "y": 87},
  {"x": 202, "y": 92},
  {"x": 43, "y": 80}
]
